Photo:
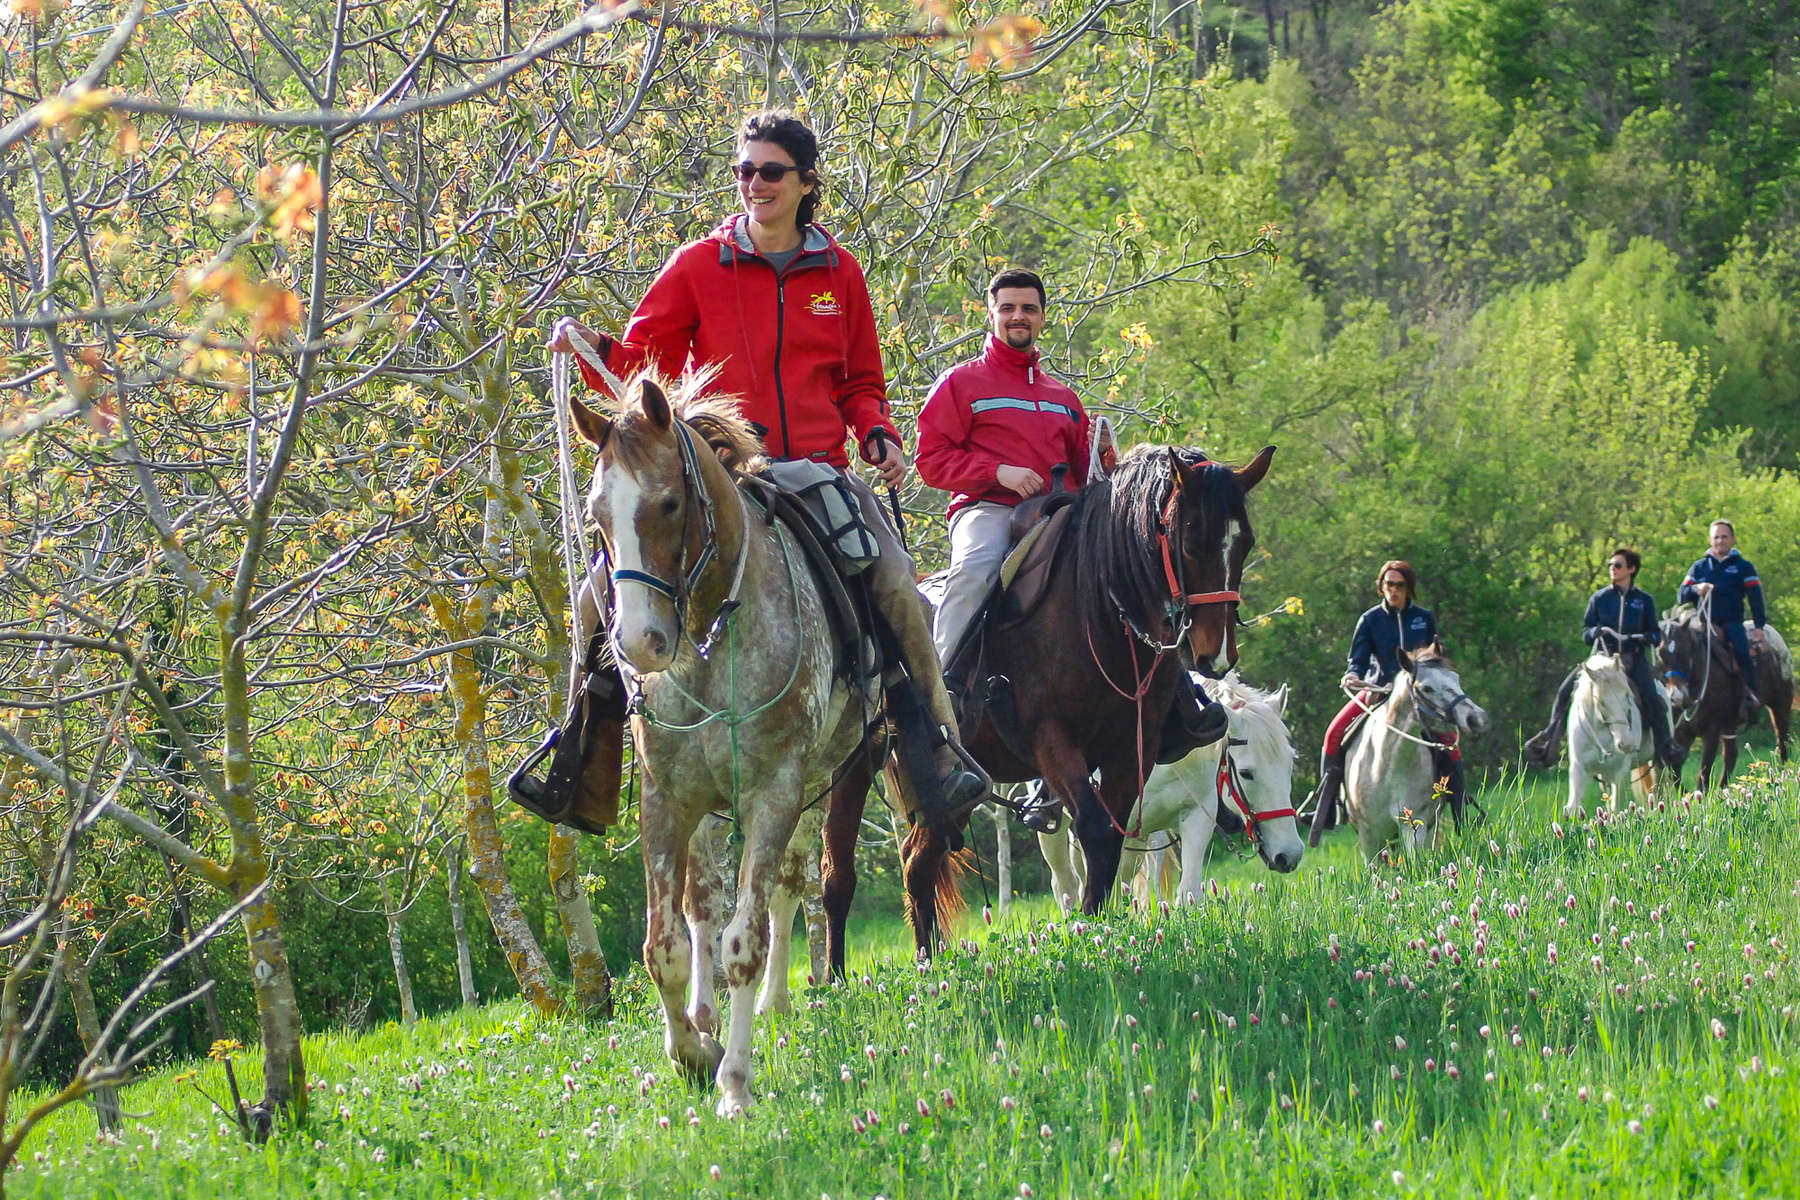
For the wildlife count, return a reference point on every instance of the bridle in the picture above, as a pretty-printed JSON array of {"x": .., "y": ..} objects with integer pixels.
[
  {"x": 1181, "y": 602},
  {"x": 1610, "y": 724},
  {"x": 1227, "y": 787},
  {"x": 679, "y": 591}
]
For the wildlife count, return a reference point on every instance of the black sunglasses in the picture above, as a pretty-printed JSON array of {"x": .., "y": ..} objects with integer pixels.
[
  {"x": 1619, "y": 566},
  {"x": 770, "y": 172}
]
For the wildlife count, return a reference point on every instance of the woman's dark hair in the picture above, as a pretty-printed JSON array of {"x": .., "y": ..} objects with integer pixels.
[
  {"x": 792, "y": 134},
  {"x": 1633, "y": 560},
  {"x": 1405, "y": 571}
]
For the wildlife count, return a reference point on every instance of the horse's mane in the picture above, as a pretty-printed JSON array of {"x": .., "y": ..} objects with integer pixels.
[
  {"x": 1117, "y": 560},
  {"x": 716, "y": 416},
  {"x": 1254, "y": 714}
]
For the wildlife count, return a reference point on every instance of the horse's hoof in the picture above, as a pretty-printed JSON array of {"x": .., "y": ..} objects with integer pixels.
[
  {"x": 701, "y": 1069},
  {"x": 734, "y": 1104}
]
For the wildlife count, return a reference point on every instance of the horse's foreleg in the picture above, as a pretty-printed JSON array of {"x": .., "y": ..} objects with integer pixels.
[
  {"x": 1058, "y": 850},
  {"x": 783, "y": 901},
  {"x": 1196, "y": 835},
  {"x": 842, "y": 824},
  {"x": 1578, "y": 785},
  {"x": 1731, "y": 753},
  {"x": 768, "y": 826},
  {"x": 705, "y": 902},
  {"x": 1709, "y": 751},
  {"x": 1781, "y": 714},
  {"x": 666, "y": 942}
]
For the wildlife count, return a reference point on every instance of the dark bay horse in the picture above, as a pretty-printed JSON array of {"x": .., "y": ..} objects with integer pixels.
[
  {"x": 1147, "y": 574},
  {"x": 1706, "y": 695}
]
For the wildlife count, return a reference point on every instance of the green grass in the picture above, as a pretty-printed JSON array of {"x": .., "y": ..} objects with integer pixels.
[{"x": 1216, "y": 1051}]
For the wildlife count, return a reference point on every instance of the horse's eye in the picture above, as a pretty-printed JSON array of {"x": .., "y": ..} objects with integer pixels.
[
  {"x": 670, "y": 506},
  {"x": 1247, "y": 773}
]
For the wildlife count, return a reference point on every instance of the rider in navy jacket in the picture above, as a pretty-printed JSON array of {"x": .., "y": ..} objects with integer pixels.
[
  {"x": 1729, "y": 579},
  {"x": 1620, "y": 617},
  {"x": 1374, "y": 662},
  {"x": 1380, "y": 635}
]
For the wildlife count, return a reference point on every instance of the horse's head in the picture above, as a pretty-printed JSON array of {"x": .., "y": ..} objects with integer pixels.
[
  {"x": 652, "y": 503},
  {"x": 1438, "y": 692},
  {"x": 1262, "y": 754},
  {"x": 1682, "y": 651},
  {"x": 1208, "y": 526},
  {"x": 1610, "y": 690}
]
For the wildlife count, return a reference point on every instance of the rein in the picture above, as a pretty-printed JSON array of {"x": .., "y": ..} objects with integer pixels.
[
  {"x": 1419, "y": 707},
  {"x": 1141, "y": 685}
]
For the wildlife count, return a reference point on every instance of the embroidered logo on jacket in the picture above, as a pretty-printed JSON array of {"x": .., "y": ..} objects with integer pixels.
[{"x": 824, "y": 304}]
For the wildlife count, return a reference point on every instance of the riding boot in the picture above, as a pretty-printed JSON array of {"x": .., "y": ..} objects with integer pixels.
[
  {"x": 1194, "y": 720},
  {"x": 1751, "y": 702},
  {"x": 1546, "y": 746},
  {"x": 1325, "y": 797}
]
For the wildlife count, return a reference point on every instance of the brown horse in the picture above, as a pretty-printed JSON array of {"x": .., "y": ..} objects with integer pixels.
[
  {"x": 1706, "y": 694},
  {"x": 1148, "y": 574}
]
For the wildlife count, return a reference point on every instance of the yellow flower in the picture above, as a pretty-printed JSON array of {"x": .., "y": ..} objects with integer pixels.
[
  {"x": 1293, "y": 606},
  {"x": 224, "y": 1048}
]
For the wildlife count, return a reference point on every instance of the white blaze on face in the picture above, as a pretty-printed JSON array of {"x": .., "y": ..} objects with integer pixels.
[
  {"x": 1221, "y": 659},
  {"x": 634, "y": 616}
]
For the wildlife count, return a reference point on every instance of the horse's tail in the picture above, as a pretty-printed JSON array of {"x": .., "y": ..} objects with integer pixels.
[{"x": 947, "y": 888}]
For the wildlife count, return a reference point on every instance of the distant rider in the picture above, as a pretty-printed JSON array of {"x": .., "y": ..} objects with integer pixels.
[
  {"x": 1727, "y": 576},
  {"x": 1382, "y": 632},
  {"x": 1620, "y": 617}
]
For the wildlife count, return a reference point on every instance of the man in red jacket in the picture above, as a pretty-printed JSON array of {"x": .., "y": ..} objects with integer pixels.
[{"x": 992, "y": 432}]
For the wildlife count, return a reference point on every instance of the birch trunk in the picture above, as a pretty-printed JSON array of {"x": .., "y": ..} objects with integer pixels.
[
  {"x": 409, "y": 1013},
  {"x": 459, "y": 926},
  {"x": 812, "y": 901},
  {"x": 1002, "y": 861}
]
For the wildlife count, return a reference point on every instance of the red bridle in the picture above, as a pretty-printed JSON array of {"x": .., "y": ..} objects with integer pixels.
[
  {"x": 1176, "y": 594},
  {"x": 1227, "y": 787}
]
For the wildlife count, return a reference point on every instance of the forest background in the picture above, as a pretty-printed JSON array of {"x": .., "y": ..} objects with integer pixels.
[{"x": 1508, "y": 282}]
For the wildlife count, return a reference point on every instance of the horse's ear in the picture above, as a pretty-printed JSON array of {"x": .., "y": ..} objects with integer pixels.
[
  {"x": 1178, "y": 471},
  {"x": 1251, "y": 475},
  {"x": 1406, "y": 660},
  {"x": 590, "y": 424},
  {"x": 655, "y": 404},
  {"x": 1281, "y": 699}
]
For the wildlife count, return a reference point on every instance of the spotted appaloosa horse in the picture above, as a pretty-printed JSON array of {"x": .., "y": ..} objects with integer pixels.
[{"x": 740, "y": 712}]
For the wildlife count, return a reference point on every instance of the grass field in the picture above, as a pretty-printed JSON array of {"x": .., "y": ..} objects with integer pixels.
[{"x": 1534, "y": 1010}]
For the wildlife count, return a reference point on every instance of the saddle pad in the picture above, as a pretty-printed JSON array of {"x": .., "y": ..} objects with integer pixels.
[{"x": 1025, "y": 575}]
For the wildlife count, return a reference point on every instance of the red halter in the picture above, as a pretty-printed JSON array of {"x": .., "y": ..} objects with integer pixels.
[
  {"x": 1174, "y": 581},
  {"x": 1226, "y": 784}
]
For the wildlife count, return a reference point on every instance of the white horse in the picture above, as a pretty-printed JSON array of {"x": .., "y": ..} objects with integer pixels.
[
  {"x": 1251, "y": 771},
  {"x": 1607, "y": 738},
  {"x": 1390, "y": 782}
]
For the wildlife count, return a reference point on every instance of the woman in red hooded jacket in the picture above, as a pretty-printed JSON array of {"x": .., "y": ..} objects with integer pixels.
[{"x": 773, "y": 303}]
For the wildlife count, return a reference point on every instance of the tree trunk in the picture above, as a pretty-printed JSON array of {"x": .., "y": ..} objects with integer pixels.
[
  {"x": 587, "y": 965},
  {"x": 812, "y": 900},
  {"x": 487, "y": 860},
  {"x": 87, "y": 1023},
  {"x": 459, "y": 927},
  {"x": 409, "y": 1012},
  {"x": 1002, "y": 860}
]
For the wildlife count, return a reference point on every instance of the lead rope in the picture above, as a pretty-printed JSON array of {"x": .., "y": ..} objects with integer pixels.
[
  {"x": 574, "y": 536},
  {"x": 1142, "y": 684}
]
